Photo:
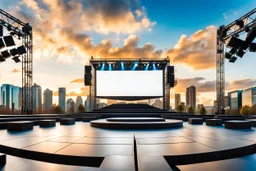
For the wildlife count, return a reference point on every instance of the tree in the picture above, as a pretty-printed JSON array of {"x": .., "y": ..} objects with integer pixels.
[
  {"x": 180, "y": 108},
  {"x": 202, "y": 110},
  {"x": 253, "y": 109},
  {"x": 191, "y": 110},
  {"x": 57, "y": 109},
  {"x": 245, "y": 110},
  {"x": 81, "y": 108}
]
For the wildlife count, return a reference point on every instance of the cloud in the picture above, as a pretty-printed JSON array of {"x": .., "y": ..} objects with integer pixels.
[
  {"x": 15, "y": 70},
  {"x": 240, "y": 84},
  {"x": 83, "y": 91},
  {"x": 100, "y": 16},
  {"x": 62, "y": 28},
  {"x": 199, "y": 82},
  {"x": 197, "y": 51},
  {"x": 78, "y": 80}
]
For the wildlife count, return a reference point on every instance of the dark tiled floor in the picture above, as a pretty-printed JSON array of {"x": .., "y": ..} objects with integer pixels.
[{"x": 117, "y": 146}]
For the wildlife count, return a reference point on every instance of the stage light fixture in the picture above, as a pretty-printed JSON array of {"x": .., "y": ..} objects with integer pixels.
[
  {"x": 233, "y": 51},
  {"x": 2, "y": 59},
  {"x": 228, "y": 55},
  {"x": 16, "y": 59},
  {"x": 234, "y": 42},
  {"x": 5, "y": 54},
  {"x": 233, "y": 59},
  {"x": 14, "y": 52},
  {"x": 222, "y": 32},
  {"x": 1, "y": 43},
  {"x": 21, "y": 49},
  {"x": 8, "y": 40},
  {"x": 251, "y": 35},
  {"x": 240, "y": 23},
  {"x": 252, "y": 47},
  {"x": 240, "y": 53}
]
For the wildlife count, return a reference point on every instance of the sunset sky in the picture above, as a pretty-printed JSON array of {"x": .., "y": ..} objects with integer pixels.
[{"x": 68, "y": 32}]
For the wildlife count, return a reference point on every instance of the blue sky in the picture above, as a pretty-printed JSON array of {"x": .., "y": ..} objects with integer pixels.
[{"x": 160, "y": 23}]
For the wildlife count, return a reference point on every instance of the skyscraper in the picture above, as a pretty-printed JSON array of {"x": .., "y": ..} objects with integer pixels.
[
  {"x": 177, "y": 100},
  {"x": 36, "y": 98},
  {"x": 16, "y": 97},
  {"x": 70, "y": 106},
  {"x": 191, "y": 96},
  {"x": 87, "y": 104},
  {"x": 62, "y": 98},
  {"x": 6, "y": 96},
  {"x": 47, "y": 100},
  {"x": 79, "y": 101}
]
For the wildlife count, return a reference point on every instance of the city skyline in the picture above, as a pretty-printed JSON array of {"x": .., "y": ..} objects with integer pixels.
[{"x": 60, "y": 52}]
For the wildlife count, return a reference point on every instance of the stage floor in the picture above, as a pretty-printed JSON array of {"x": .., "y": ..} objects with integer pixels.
[{"x": 114, "y": 149}]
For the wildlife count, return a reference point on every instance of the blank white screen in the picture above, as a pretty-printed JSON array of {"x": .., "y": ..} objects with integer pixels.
[{"x": 129, "y": 83}]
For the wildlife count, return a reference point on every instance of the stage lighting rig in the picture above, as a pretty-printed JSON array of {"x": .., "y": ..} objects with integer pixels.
[
  {"x": 230, "y": 35},
  {"x": 22, "y": 31}
]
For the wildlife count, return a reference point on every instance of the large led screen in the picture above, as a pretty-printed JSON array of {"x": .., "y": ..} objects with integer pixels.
[{"x": 129, "y": 83}]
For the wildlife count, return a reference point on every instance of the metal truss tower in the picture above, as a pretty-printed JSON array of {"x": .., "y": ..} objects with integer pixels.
[
  {"x": 22, "y": 31},
  {"x": 233, "y": 29}
]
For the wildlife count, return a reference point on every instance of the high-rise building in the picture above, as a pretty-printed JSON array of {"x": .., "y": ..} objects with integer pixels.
[
  {"x": 6, "y": 96},
  {"x": 191, "y": 96},
  {"x": 177, "y": 100},
  {"x": 235, "y": 99},
  {"x": 36, "y": 98},
  {"x": 70, "y": 106},
  {"x": 16, "y": 97},
  {"x": 62, "y": 98},
  {"x": 79, "y": 101},
  {"x": 87, "y": 104},
  {"x": 158, "y": 104},
  {"x": 249, "y": 97},
  {"x": 47, "y": 100}
]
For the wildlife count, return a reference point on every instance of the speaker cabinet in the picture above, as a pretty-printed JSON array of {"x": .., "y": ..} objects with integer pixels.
[
  {"x": 87, "y": 79},
  {"x": 87, "y": 69}
]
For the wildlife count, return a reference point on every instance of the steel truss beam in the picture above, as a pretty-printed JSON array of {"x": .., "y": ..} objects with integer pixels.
[
  {"x": 224, "y": 34},
  {"x": 24, "y": 31}
]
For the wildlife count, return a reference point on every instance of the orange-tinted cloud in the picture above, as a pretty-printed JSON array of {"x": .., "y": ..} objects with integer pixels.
[
  {"x": 199, "y": 82},
  {"x": 84, "y": 91},
  {"x": 240, "y": 84},
  {"x": 78, "y": 80},
  {"x": 15, "y": 70},
  {"x": 197, "y": 51}
]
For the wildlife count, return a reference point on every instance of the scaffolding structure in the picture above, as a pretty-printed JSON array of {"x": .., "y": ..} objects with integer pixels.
[
  {"x": 22, "y": 31},
  {"x": 223, "y": 34}
]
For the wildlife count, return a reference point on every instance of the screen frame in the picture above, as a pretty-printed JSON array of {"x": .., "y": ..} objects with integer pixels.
[{"x": 130, "y": 98}]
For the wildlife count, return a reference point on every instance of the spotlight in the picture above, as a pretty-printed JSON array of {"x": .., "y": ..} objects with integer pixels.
[
  {"x": 251, "y": 35},
  {"x": 21, "y": 49},
  {"x": 2, "y": 59},
  {"x": 234, "y": 42},
  {"x": 233, "y": 59},
  {"x": 9, "y": 41},
  {"x": 27, "y": 29},
  {"x": 228, "y": 55},
  {"x": 232, "y": 51},
  {"x": 1, "y": 43},
  {"x": 222, "y": 32},
  {"x": 252, "y": 47},
  {"x": 16, "y": 59},
  {"x": 5, "y": 54},
  {"x": 240, "y": 52},
  {"x": 14, "y": 52},
  {"x": 240, "y": 23}
]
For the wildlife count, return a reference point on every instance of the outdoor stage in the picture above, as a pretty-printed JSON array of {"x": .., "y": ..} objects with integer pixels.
[{"x": 104, "y": 150}]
